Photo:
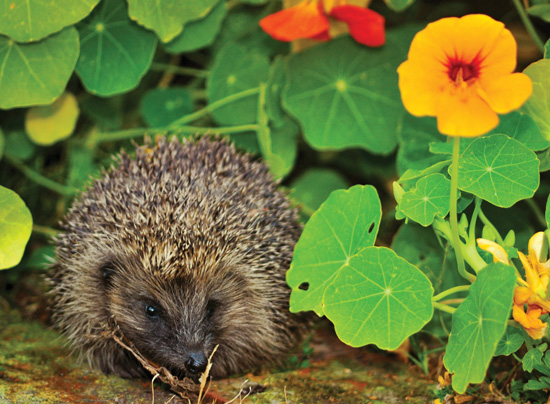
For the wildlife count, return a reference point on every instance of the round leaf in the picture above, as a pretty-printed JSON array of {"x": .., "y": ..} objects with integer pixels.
[
  {"x": 510, "y": 342},
  {"x": 167, "y": 17},
  {"x": 521, "y": 127},
  {"x": 234, "y": 70},
  {"x": 430, "y": 198},
  {"x": 115, "y": 53},
  {"x": 49, "y": 124},
  {"x": 198, "y": 34},
  {"x": 538, "y": 105},
  {"x": 343, "y": 226},
  {"x": 479, "y": 324},
  {"x": 162, "y": 106},
  {"x": 398, "y": 5},
  {"x": 31, "y": 20},
  {"x": 498, "y": 169},
  {"x": 345, "y": 95},
  {"x": 36, "y": 73},
  {"x": 378, "y": 298},
  {"x": 15, "y": 228}
]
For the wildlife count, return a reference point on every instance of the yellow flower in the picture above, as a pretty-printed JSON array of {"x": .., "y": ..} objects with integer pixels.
[
  {"x": 460, "y": 70},
  {"x": 534, "y": 292}
]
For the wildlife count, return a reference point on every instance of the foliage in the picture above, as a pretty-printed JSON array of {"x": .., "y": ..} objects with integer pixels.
[{"x": 341, "y": 124}]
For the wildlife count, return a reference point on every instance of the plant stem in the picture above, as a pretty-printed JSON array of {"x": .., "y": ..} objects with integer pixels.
[
  {"x": 39, "y": 178},
  {"x": 135, "y": 132},
  {"x": 444, "y": 307},
  {"x": 184, "y": 71},
  {"x": 215, "y": 105},
  {"x": 44, "y": 230},
  {"x": 445, "y": 293},
  {"x": 528, "y": 25},
  {"x": 488, "y": 223},
  {"x": 453, "y": 213},
  {"x": 537, "y": 212}
]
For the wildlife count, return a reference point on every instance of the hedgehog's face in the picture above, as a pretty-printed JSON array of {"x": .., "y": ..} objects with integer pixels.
[{"x": 176, "y": 323}]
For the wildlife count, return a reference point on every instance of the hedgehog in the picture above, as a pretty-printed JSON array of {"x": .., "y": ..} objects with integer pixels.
[{"x": 184, "y": 247}]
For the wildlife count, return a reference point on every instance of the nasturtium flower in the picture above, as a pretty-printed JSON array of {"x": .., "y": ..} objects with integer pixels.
[
  {"x": 461, "y": 70},
  {"x": 533, "y": 291},
  {"x": 320, "y": 20}
]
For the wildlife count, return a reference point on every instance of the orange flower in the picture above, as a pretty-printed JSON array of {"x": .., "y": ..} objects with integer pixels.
[
  {"x": 316, "y": 19},
  {"x": 534, "y": 292},
  {"x": 460, "y": 70}
]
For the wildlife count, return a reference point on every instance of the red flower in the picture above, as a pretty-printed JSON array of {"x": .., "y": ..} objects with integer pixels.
[{"x": 313, "y": 19}]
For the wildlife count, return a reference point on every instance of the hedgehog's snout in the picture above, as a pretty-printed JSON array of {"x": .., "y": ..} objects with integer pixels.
[{"x": 196, "y": 362}]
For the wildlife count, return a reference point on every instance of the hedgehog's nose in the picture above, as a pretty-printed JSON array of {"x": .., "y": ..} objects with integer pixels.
[{"x": 196, "y": 362}]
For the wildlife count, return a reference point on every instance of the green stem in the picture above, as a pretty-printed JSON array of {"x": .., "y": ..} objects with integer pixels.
[
  {"x": 215, "y": 105},
  {"x": 184, "y": 71},
  {"x": 39, "y": 178},
  {"x": 456, "y": 289},
  {"x": 537, "y": 212},
  {"x": 488, "y": 223},
  {"x": 444, "y": 307},
  {"x": 44, "y": 230},
  {"x": 528, "y": 25},
  {"x": 453, "y": 213},
  {"x": 136, "y": 132}
]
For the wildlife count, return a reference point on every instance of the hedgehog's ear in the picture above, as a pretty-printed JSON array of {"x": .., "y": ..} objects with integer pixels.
[{"x": 107, "y": 270}]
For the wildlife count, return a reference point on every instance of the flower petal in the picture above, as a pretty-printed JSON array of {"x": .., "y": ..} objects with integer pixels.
[
  {"x": 499, "y": 254},
  {"x": 304, "y": 20},
  {"x": 530, "y": 321},
  {"x": 507, "y": 93},
  {"x": 365, "y": 26},
  {"x": 461, "y": 112}
]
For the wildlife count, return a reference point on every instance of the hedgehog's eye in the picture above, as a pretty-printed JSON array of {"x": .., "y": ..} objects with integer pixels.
[
  {"x": 211, "y": 307},
  {"x": 151, "y": 311}
]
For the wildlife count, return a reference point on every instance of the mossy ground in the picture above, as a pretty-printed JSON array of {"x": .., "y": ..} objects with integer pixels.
[{"x": 37, "y": 367}]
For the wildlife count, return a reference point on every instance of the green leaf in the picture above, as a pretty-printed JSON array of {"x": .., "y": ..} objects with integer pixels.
[
  {"x": 547, "y": 212},
  {"x": 314, "y": 186},
  {"x": 49, "y": 124},
  {"x": 277, "y": 76},
  {"x": 345, "y": 95},
  {"x": 345, "y": 224},
  {"x": 19, "y": 145},
  {"x": 2, "y": 143},
  {"x": 115, "y": 53},
  {"x": 36, "y": 73},
  {"x": 430, "y": 198},
  {"x": 15, "y": 228},
  {"x": 162, "y": 106},
  {"x": 498, "y": 169},
  {"x": 279, "y": 148},
  {"x": 81, "y": 166},
  {"x": 167, "y": 17},
  {"x": 510, "y": 342},
  {"x": 543, "y": 383},
  {"x": 31, "y": 20},
  {"x": 398, "y": 5},
  {"x": 378, "y": 298},
  {"x": 533, "y": 358},
  {"x": 478, "y": 325},
  {"x": 105, "y": 113},
  {"x": 521, "y": 127},
  {"x": 538, "y": 105},
  {"x": 540, "y": 10},
  {"x": 199, "y": 34},
  {"x": 234, "y": 70},
  {"x": 547, "y": 50}
]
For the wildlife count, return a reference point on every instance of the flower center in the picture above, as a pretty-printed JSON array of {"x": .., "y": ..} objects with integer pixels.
[{"x": 460, "y": 71}]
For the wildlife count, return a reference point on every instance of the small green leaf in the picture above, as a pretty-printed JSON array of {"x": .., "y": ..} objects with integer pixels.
[
  {"x": 398, "y": 5},
  {"x": 345, "y": 95},
  {"x": 498, "y": 169},
  {"x": 31, "y": 20},
  {"x": 277, "y": 76},
  {"x": 49, "y": 124},
  {"x": 115, "y": 53},
  {"x": 533, "y": 358},
  {"x": 36, "y": 73},
  {"x": 198, "y": 34},
  {"x": 430, "y": 198},
  {"x": 478, "y": 325},
  {"x": 543, "y": 383},
  {"x": 547, "y": 50},
  {"x": 345, "y": 224},
  {"x": 279, "y": 148},
  {"x": 167, "y": 17},
  {"x": 378, "y": 298},
  {"x": 314, "y": 186},
  {"x": 521, "y": 127},
  {"x": 15, "y": 228},
  {"x": 19, "y": 145},
  {"x": 81, "y": 166},
  {"x": 540, "y": 10},
  {"x": 162, "y": 106},
  {"x": 234, "y": 70},
  {"x": 510, "y": 342},
  {"x": 538, "y": 105}
]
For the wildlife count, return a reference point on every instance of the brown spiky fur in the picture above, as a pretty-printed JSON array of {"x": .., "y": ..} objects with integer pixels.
[{"x": 195, "y": 228}]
